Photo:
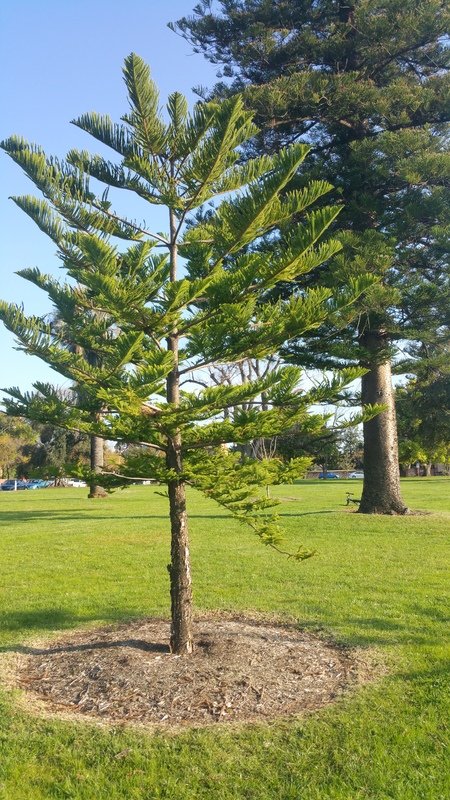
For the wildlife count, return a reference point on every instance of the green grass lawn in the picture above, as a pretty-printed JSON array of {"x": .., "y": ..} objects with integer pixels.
[{"x": 376, "y": 582}]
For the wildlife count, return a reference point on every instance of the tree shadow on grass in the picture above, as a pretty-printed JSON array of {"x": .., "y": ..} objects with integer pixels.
[
  {"x": 372, "y": 631},
  {"x": 137, "y": 644},
  {"x": 306, "y": 513},
  {"x": 433, "y": 613},
  {"x": 10, "y": 517},
  {"x": 57, "y": 619},
  {"x": 437, "y": 675},
  {"x": 359, "y": 631}
]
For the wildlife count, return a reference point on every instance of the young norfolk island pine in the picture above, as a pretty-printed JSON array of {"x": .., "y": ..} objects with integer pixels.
[{"x": 166, "y": 306}]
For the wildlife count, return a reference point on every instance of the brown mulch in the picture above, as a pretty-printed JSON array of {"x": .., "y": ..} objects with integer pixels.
[{"x": 242, "y": 670}]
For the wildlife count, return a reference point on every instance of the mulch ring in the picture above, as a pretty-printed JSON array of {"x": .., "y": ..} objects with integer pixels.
[{"x": 242, "y": 670}]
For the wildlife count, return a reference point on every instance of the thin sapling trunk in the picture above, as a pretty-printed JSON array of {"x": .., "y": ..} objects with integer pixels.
[{"x": 181, "y": 637}]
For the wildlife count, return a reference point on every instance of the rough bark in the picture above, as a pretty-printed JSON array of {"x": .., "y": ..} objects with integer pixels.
[
  {"x": 381, "y": 489},
  {"x": 97, "y": 444},
  {"x": 181, "y": 637}
]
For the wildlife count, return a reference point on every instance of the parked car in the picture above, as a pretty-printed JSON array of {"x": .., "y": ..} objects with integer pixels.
[
  {"x": 75, "y": 483},
  {"x": 37, "y": 483},
  {"x": 12, "y": 484},
  {"x": 328, "y": 475},
  {"x": 359, "y": 475}
]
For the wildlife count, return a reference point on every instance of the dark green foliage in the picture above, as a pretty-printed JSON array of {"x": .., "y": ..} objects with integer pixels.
[
  {"x": 366, "y": 85},
  {"x": 423, "y": 410},
  {"x": 321, "y": 445}
]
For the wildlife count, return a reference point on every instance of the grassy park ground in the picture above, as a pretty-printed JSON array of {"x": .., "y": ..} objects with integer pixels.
[{"x": 376, "y": 582}]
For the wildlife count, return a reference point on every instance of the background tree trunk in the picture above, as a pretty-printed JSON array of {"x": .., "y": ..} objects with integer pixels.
[
  {"x": 381, "y": 489},
  {"x": 97, "y": 445}
]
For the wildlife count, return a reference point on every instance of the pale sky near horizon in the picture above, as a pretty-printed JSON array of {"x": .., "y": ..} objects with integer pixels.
[{"x": 59, "y": 59}]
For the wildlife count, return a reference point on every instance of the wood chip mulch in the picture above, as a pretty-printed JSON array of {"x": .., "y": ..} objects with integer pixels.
[{"x": 242, "y": 670}]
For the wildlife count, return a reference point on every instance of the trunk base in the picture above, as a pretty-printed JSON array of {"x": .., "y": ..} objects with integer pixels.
[
  {"x": 181, "y": 636},
  {"x": 97, "y": 491},
  {"x": 394, "y": 509},
  {"x": 181, "y": 648}
]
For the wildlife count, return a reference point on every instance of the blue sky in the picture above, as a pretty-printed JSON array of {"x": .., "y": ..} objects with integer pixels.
[{"x": 60, "y": 58}]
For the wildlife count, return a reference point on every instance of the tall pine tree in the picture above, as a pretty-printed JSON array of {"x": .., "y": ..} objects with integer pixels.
[
  {"x": 365, "y": 82},
  {"x": 177, "y": 301}
]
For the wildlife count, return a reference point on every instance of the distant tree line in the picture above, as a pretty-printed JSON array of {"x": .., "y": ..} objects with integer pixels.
[{"x": 34, "y": 449}]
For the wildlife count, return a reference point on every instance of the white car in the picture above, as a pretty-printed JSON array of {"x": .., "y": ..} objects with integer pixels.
[{"x": 359, "y": 475}]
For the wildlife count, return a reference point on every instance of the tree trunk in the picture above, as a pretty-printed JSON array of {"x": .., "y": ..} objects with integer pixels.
[
  {"x": 381, "y": 489},
  {"x": 427, "y": 470},
  {"x": 181, "y": 636},
  {"x": 97, "y": 444}
]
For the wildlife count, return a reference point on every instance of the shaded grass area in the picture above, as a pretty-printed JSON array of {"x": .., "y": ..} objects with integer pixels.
[{"x": 376, "y": 582}]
